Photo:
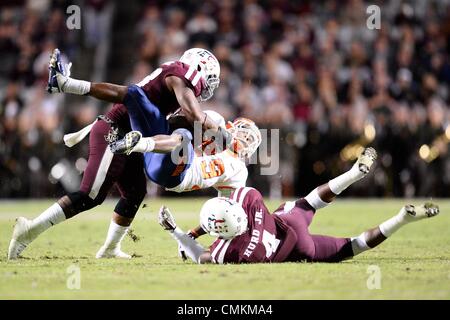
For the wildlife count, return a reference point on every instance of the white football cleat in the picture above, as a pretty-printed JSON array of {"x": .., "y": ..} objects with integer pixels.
[
  {"x": 111, "y": 253},
  {"x": 426, "y": 210},
  {"x": 126, "y": 144},
  {"x": 366, "y": 160},
  {"x": 21, "y": 238}
]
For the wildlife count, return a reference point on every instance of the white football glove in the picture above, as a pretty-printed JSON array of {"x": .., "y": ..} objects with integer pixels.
[
  {"x": 58, "y": 69},
  {"x": 166, "y": 219}
]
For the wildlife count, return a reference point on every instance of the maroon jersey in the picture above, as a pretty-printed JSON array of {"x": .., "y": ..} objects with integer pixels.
[
  {"x": 119, "y": 115},
  {"x": 268, "y": 238},
  {"x": 159, "y": 94}
]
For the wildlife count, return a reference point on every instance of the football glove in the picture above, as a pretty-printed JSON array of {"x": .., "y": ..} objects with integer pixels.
[
  {"x": 166, "y": 219},
  {"x": 58, "y": 72}
]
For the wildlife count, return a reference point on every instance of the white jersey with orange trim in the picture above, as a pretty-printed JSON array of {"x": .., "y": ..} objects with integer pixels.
[{"x": 222, "y": 171}]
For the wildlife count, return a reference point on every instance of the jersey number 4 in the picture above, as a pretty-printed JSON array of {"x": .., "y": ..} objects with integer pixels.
[
  {"x": 213, "y": 168},
  {"x": 270, "y": 243}
]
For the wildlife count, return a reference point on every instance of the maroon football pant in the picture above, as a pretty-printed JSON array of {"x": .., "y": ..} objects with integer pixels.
[
  {"x": 104, "y": 169},
  {"x": 310, "y": 247}
]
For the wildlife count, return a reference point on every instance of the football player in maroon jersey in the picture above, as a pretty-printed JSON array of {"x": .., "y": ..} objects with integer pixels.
[
  {"x": 247, "y": 233},
  {"x": 172, "y": 88},
  {"x": 175, "y": 85},
  {"x": 104, "y": 170}
]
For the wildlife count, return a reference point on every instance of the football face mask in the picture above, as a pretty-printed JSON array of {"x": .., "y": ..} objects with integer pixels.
[{"x": 247, "y": 137}]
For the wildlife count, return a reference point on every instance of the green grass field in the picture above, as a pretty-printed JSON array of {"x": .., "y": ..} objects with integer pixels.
[{"x": 414, "y": 263}]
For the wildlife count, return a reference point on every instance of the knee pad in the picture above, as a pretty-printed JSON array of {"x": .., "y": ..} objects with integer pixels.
[
  {"x": 128, "y": 207},
  {"x": 81, "y": 202}
]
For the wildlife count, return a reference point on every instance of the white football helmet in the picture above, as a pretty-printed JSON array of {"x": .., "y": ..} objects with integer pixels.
[
  {"x": 207, "y": 64},
  {"x": 247, "y": 136},
  {"x": 224, "y": 218}
]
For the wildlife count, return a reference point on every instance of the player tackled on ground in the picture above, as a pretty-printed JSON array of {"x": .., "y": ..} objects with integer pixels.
[
  {"x": 248, "y": 233},
  {"x": 224, "y": 170}
]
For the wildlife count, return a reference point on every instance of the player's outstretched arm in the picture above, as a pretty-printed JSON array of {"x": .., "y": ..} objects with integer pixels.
[
  {"x": 193, "y": 249},
  {"x": 194, "y": 234},
  {"x": 59, "y": 80}
]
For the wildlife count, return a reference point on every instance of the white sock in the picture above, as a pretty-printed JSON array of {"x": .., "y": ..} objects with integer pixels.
[
  {"x": 74, "y": 86},
  {"x": 145, "y": 145},
  {"x": 315, "y": 201},
  {"x": 391, "y": 225},
  {"x": 342, "y": 182},
  {"x": 359, "y": 244},
  {"x": 46, "y": 219},
  {"x": 115, "y": 235}
]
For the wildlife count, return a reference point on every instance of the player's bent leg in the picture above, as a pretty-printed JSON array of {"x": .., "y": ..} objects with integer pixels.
[
  {"x": 169, "y": 169},
  {"x": 128, "y": 144},
  {"x": 26, "y": 231},
  {"x": 409, "y": 213},
  {"x": 325, "y": 194},
  {"x": 134, "y": 142},
  {"x": 116, "y": 233},
  {"x": 122, "y": 217},
  {"x": 145, "y": 117},
  {"x": 331, "y": 249},
  {"x": 132, "y": 186},
  {"x": 298, "y": 216}
]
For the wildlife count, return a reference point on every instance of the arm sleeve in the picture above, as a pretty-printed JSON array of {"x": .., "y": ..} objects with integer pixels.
[{"x": 192, "y": 248}]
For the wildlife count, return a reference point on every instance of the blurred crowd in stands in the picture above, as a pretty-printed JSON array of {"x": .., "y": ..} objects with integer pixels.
[{"x": 312, "y": 69}]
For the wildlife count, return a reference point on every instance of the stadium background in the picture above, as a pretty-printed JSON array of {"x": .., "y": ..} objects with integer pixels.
[{"x": 310, "y": 68}]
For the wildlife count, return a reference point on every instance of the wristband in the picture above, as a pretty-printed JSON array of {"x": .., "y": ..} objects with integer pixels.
[{"x": 193, "y": 234}]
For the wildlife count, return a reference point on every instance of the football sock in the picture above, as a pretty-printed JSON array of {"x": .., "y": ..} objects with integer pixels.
[
  {"x": 359, "y": 244},
  {"x": 391, "y": 225},
  {"x": 314, "y": 200},
  {"x": 46, "y": 219},
  {"x": 191, "y": 247},
  {"x": 387, "y": 228},
  {"x": 115, "y": 235},
  {"x": 342, "y": 182},
  {"x": 74, "y": 86},
  {"x": 144, "y": 145}
]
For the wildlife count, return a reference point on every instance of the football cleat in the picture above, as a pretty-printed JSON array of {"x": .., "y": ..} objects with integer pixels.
[
  {"x": 21, "y": 238},
  {"x": 106, "y": 253},
  {"x": 165, "y": 219},
  {"x": 126, "y": 144},
  {"x": 426, "y": 210},
  {"x": 366, "y": 160},
  {"x": 57, "y": 73}
]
